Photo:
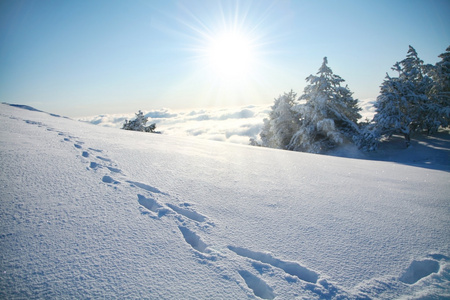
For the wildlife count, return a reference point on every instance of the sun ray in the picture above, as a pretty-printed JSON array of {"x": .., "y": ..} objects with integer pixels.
[{"x": 228, "y": 45}]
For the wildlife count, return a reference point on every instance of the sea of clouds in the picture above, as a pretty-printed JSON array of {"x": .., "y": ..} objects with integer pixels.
[{"x": 233, "y": 124}]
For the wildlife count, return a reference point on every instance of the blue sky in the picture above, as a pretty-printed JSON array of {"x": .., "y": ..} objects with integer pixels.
[{"x": 80, "y": 58}]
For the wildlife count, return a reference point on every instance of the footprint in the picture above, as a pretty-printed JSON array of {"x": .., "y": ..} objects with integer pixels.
[
  {"x": 259, "y": 286},
  {"x": 114, "y": 170},
  {"x": 438, "y": 256},
  {"x": 94, "y": 165},
  {"x": 85, "y": 154},
  {"x": 194, "y": 240},
  {"x": 145, "y": 187},
  {"x": 419, "y": 269},
  {"x": 34, "y": 123},
  {"x": 261, "y": 267},
  {"x": 152, "y": 205},
  {"x": 75, "y": 145},
  {"x": 109, "y": 179},
  {"x": 291, "y": 268},
  {"x": 149, "y": 203},
  {"x": 95, "y": 150},
  {"x": 187, "y": 213},
  {"x": 104, "y": 158}
]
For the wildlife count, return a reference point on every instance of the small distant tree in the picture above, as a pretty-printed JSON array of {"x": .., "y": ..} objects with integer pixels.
[
  {"x": 138, "y": 124},
  {"x": 329, "y": 116},
  {"x": 282, "y": 123}
]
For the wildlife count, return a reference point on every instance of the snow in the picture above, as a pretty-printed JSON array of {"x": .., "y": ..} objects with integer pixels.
[{"x": 96, "y": 212}]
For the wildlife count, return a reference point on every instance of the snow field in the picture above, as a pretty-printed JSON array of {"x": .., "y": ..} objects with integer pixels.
[{"x": 98, "y": 212}]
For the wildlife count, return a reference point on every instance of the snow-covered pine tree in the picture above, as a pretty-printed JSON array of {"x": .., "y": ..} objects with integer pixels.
[
  {"x": 403, "y": 105},
  {"x": 414, "y": 71},
  {"x": 329, "y": 116},
  {"x": 443, "y": 71},
  {"x": 138, "y": 124},
  {"x": 282, "y": 123},
  {"x": 439, "y": 112},
  {"x": 393, "y": 112}
]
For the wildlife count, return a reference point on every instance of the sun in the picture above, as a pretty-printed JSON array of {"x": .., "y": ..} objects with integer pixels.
[
  {"x": 227, "y": 47},
  {"x": 230, "y": 55}
]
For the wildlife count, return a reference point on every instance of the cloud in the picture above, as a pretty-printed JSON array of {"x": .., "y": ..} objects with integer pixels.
[
  {"x": 368, "y": 108},
  {"x": 234, "y": 125},
  {"x": 107, "y": 120},
  {"x": 243, "y": 114},
  {"x": 164, "y": 113}
]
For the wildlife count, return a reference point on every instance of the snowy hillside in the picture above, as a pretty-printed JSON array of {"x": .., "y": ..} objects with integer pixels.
[{"x": 97, "y": 212}]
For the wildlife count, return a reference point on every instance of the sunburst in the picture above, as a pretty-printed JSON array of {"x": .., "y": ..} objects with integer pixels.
[{"x": 230, "y": 55}]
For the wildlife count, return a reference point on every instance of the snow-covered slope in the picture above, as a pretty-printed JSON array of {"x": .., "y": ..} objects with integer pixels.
[{"x": 96, "y": 212}]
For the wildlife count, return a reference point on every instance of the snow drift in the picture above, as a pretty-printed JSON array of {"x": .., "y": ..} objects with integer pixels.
[{"x": 96, "y": 212}]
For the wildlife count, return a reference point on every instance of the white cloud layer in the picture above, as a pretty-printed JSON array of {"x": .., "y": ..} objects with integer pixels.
[{"x": 234, "y": 125}]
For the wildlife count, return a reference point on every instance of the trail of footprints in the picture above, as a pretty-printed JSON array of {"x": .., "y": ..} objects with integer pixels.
[{"x": 186, "y": 218}]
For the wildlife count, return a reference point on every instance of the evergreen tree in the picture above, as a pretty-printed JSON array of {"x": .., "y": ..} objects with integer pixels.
[
  {"x": 282, "y": 123},
  {"x": 393, "y": 110},
  {"x": 403, "y": 105},
  {"x": 329, "y": 116},
  {"x": 414, "y": 72},
  {"x": 443, "y": 71},
  {"x": 440, "y": 93},
  {"x": 138, "y": 124}
]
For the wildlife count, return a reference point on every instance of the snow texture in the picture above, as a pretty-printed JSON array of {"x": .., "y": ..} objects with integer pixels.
[{"x": 96, "y": 212}]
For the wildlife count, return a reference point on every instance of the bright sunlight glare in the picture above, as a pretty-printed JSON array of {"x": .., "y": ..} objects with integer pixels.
[
  {"x": 230, "y": 55},
  {"x": 228, "y": 51}
]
